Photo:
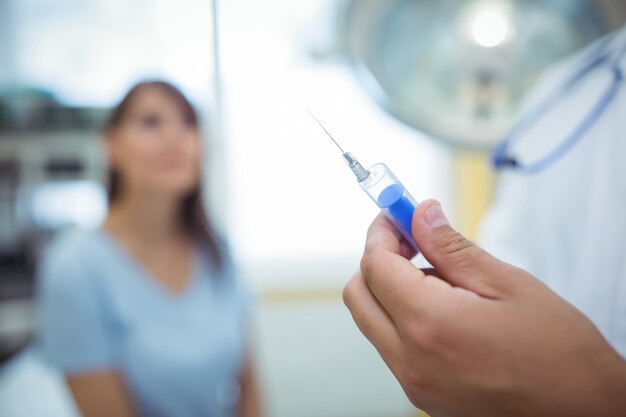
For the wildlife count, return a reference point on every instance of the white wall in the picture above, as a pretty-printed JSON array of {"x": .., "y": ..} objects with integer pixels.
[
  {"x": 296, "y": 215},
  {"x": 314, "y": 362}
]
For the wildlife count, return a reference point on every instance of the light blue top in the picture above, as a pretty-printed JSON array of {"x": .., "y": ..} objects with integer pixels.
[{"x": 180, "y": 355}]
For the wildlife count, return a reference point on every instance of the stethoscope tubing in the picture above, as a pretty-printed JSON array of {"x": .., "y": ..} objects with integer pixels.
[{"x": 500, "y": 158}]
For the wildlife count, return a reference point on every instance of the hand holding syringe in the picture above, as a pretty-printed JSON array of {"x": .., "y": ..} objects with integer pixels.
[{"x": 384, "y": 188}]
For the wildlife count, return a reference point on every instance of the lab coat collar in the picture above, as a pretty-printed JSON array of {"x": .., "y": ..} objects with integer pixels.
[
  {"x": 612, "y": 44},
  {"x": 617, "y": 45},
  {"x": 621, "y": 33}
]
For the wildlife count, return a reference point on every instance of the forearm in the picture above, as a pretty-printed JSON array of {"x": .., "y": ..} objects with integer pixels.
[
  {"x": 101, "y": 394},
  {"x": 250, "y": 400},
  {"x": 250, "y": 404}
]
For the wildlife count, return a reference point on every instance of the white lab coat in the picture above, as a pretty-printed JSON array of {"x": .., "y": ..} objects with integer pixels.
[{"x": 567, "y": 225}]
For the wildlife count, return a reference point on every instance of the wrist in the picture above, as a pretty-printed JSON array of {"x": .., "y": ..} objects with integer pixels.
[{"x": 611, "y": 398}]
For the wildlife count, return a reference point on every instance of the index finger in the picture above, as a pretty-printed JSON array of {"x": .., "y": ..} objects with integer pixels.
[
  {"x": 392, "y": 279},
  {"x": 397, "y": 243}
]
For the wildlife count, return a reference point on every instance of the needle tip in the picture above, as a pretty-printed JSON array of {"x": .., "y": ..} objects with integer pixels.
[{"x": 323, "y": 128}]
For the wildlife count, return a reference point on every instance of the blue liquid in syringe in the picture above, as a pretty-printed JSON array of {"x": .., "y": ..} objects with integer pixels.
[{"x": 399, "y": 206}]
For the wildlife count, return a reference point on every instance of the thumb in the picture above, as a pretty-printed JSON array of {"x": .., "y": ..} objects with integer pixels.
[{"x": 456, "y": 259}]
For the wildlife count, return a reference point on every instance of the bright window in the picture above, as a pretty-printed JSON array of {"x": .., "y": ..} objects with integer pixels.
[
  {"x": 89, "y": 52},
  {"x": 292, "y": 200}
]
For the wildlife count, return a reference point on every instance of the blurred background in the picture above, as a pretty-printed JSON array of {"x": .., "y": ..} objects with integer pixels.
[{"x": 427, "y": 86}]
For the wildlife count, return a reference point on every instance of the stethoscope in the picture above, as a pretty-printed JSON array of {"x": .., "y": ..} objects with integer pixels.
[{"x": 501, "y": 159}]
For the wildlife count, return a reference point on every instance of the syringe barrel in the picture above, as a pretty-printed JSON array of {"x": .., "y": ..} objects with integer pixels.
[{"x": 394, "y": 200}]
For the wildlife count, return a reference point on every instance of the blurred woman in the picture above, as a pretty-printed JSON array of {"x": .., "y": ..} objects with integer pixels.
[{"x": 146, "y": 315}]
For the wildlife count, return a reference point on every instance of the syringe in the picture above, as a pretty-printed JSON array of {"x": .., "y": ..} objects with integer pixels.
[{"x": 384, "y": 188}]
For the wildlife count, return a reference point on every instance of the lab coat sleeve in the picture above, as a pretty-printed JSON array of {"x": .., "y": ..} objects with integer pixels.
[{"x": 73, "y": 331}]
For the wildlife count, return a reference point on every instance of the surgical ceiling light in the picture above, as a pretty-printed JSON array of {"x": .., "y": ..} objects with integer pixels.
[
  {"x": 490, "y": 28},
  {"x": 458, "y": 69}
]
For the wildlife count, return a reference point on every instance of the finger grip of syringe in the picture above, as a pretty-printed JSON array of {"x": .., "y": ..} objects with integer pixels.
[{"x": 393, "y": 199}]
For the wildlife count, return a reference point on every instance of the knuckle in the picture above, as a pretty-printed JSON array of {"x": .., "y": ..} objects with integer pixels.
[
  {"x": 368, "y": 262},
  {"x": 411, "y": 379},
  {"x": 431, "y": 338},
  {"x": 457, "y": 247},
  {"x": 349, "y": 290},
  {"x": 423, "y": 336},
  {"x": 452, "y": 242},
  {"x": 483, "y": 286},
  {"x": 365, "y": 262}
]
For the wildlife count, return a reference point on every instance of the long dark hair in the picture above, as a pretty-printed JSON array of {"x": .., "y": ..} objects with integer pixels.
[{"x": 192, "y": 214}]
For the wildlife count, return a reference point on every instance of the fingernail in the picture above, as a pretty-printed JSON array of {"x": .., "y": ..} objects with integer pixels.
[{"x": 434, "y": 216}]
